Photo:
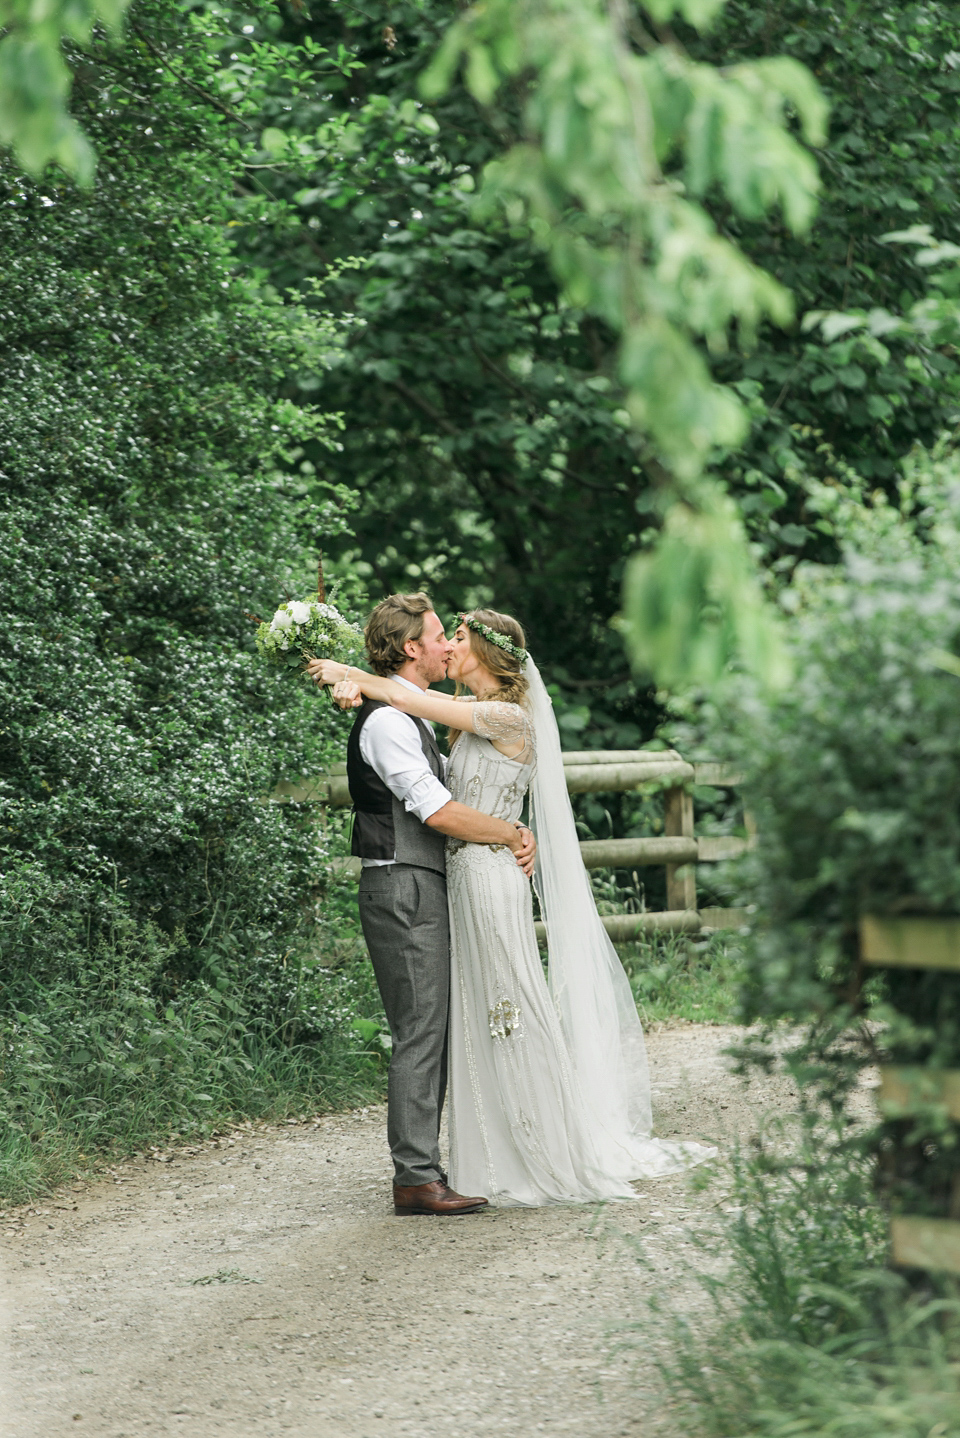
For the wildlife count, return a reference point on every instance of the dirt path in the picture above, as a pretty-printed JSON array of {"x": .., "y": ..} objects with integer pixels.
[{"x": 260, "y": 1284}]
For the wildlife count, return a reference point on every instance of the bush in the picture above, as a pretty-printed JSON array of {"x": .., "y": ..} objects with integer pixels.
[
  {"x": 808, "y": 1333},
  {"x": 855, "y": 784},
  {"x": 157, "y": 917}
]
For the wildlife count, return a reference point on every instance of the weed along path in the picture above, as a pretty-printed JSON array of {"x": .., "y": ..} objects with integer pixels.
[{"x": 259, "y": 1284}]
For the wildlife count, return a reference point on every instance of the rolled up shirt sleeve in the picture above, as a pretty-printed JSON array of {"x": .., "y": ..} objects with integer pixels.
[
  {"x": 390, "y": 743},
  {"x": 423, "y": 796}
]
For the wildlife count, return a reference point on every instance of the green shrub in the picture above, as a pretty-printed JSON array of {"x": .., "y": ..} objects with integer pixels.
[
  {"x": 854, "y": 779},
  {"x": 806, "y": 1332},
  {"x": 158, "y": 952}
]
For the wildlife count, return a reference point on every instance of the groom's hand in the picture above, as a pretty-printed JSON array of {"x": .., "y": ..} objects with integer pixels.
[{"x": 527, "y": 852}]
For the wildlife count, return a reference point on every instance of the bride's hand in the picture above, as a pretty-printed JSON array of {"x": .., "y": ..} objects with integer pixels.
[
  {"x": 347, "y": 695},
  {"x": 326, "y": 671}
]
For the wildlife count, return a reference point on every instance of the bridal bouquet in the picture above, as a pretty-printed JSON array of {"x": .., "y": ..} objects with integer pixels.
[{"x": 305, "y": 629}]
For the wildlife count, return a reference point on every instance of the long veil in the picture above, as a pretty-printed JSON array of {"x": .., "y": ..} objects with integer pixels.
[{"x": 589, "y": 988}]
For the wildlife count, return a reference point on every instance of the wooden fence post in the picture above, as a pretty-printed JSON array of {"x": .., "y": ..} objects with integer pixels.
[
  {"x": 918, "y": 1240},
  {"x": 678, "y": 823}
]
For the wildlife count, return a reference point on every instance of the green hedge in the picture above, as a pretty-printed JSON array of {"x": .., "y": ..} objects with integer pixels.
[
  {"x": 157, "y": 917},
  {"x": 854, "y": 778}
]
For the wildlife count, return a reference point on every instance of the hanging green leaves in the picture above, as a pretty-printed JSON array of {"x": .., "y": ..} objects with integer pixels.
[
  {"x": 35, "y": 80},
  {"x": 624, "y": 135}
]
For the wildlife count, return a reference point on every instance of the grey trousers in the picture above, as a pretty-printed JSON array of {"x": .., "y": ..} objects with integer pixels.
[{"x": 403, "y": 911}]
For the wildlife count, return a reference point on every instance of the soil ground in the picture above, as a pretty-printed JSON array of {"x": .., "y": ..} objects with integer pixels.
[{"x": 260, "y": 1284}]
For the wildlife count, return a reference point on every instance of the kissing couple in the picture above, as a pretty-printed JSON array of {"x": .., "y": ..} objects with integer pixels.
[{"x": 548, "y": 1083}]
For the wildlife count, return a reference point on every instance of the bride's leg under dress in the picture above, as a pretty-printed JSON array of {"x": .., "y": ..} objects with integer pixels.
[{"x": 517, "y": 1130}]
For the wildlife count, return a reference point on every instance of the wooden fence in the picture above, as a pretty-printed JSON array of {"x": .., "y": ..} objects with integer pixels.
[
  {"x": 919, "y": 1241},
  {"x": 606, "y": 771}
]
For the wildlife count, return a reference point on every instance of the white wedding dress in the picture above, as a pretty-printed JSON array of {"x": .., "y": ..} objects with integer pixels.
[{"x": 548, "y": 1090}]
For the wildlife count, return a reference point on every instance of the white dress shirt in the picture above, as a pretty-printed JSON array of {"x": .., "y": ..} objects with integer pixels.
[{"x": 390, "y": 744}]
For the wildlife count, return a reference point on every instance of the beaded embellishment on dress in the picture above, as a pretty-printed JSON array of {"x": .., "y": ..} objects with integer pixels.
[{"x": 505, "y": 1020}]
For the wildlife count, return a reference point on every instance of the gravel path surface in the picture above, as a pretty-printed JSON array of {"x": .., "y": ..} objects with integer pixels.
[{"x": 260, "y": 1284}]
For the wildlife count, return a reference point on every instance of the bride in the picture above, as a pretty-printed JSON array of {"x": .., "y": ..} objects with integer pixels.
[{"x": 548, "y": 1086}]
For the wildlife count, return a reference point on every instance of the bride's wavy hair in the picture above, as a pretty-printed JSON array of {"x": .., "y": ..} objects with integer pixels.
[{"x": 501, "y": 664}]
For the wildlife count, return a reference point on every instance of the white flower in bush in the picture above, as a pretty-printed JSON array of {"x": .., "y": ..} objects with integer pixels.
[{"x": 299, "y": 612}]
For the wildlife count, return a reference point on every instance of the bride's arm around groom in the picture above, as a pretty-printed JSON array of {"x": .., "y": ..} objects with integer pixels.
[{"x": 421, "y": 704}]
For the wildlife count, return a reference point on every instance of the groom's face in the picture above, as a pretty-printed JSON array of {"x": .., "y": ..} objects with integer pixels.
[{"x": 431, "y": 651}]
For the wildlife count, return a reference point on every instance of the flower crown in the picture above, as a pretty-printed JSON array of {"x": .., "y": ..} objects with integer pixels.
[{"x": 493, "y": 636}]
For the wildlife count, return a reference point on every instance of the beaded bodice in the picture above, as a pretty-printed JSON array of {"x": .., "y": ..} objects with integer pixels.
[{"x": 479, "y": 775}]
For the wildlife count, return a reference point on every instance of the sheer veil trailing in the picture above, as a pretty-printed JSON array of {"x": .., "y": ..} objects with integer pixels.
[{"x": 587, "y": 983}]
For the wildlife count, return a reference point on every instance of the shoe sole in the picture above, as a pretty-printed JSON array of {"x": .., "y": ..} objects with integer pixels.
[{"x": 438, "y": 1213}]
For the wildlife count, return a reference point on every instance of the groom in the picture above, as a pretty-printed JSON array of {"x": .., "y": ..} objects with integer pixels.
[{"x": 403, "y": 813}]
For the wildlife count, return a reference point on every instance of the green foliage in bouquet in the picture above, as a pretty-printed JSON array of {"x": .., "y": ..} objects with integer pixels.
[{"x": 305, "y": 629}]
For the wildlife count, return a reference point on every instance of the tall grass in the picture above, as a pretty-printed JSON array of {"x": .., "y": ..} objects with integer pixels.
[
  {"x": 115, "y": 1051},
  {"x": 677, "y": 976},
  {"x": 102, "y": 1062},
  {"x": 807, "y": 1330},
  {"x": 673, "y": 976}
]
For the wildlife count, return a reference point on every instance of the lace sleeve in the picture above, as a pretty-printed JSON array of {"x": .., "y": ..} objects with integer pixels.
[{"x": 505, "y": 725}]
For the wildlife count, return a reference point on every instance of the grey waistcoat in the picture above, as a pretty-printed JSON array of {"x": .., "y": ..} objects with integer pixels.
[{"x": 382, "y": 827}]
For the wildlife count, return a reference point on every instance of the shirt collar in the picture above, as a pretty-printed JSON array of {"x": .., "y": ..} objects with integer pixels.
[{"x": 407, "y": 683}]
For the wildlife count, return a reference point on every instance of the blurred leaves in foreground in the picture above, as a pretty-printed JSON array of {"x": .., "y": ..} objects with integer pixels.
[
  {"x": 35, "y": 80},
  {"x": 624, "y": 134}
]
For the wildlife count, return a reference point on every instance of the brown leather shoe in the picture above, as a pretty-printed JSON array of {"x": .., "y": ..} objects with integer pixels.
[{"x": 433, "y": 1198}]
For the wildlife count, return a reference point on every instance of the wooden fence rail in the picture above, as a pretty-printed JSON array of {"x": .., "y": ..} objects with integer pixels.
[
  {"x": 907, "y": 943},
  {"x": 617, "y": 771}
]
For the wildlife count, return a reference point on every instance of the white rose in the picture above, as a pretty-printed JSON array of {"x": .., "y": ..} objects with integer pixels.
[
  {"x": 299, "y": 611},
  {"x": 281, "y": 620}
]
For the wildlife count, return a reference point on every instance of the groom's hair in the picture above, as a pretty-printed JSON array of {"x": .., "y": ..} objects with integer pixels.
[{"x": 395, "y": 621}]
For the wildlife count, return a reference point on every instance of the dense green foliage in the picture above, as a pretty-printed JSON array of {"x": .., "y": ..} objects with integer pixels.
[
  {"x": 492, "y": 453},
  {"x": 489, "y": 451},
  {"x": 854, "y": 782},
  {"x": 484, "y": 446},
  {"x": 807, "y": 1331},
  {"x": 620, "y": 135},
  {"x": 890, "y": 75},
  {"x": 157, "y": 914},
  {"x": 484, "y": 436},
  {"x": 35, "y": 80}
]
